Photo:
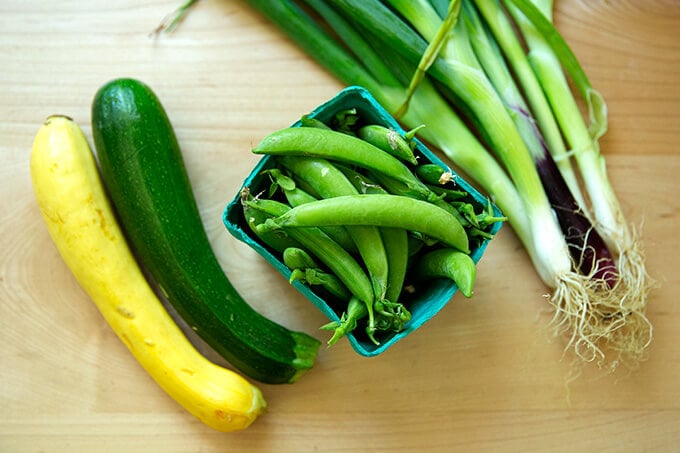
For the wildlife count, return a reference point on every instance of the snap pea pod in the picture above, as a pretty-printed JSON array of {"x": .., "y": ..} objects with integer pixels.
[
  {"x": 389, "y": 141},
  {"x": 330, "y": 253},
  {"x": 434, "y": 174},
  {"x": 298, "y": 258},
  {"x": 305, "y": 269},
  {"x": 377, "y": 210},
  {"x": 395, "y": 240},
  {"x": 308, "y": 121},
  {"x": 329, "y": 181},
  {"x": 297, "y": 196},
  {"x": 277, "y": 240},
  {"x": 448, "y": 263},
  {"x": 337, "y": 146}
]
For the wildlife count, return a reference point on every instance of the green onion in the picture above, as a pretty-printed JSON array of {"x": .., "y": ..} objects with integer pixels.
[
  {"x": 550, "y": 56},
  {"x": 478, "y": 53}
]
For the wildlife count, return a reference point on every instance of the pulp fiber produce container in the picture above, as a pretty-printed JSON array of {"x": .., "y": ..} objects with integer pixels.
[{"x": 424, "y": 303}]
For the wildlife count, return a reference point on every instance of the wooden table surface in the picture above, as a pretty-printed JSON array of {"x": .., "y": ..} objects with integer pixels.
[{"x": 484, "y": 375}]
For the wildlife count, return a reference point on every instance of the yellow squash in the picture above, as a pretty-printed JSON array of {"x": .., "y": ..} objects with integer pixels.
[{"x": 83, "y": 227}]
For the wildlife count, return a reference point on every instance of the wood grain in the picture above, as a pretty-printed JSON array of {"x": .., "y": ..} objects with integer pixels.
[{"x": 484, "y": 375}]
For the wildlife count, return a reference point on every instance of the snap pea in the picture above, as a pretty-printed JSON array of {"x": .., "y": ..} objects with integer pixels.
[
  {"x": 306, "y": 270},
  {"x": 327, "y": 251},
  {"x": 395, "y": 240},
  {"x": 297, "y": 258},
  {"x": 308, "y": 121},
  {"x": 336, "y": 146},
  {"x": 434, "y": 174},
  {"x": 277, "y": 240},
  {"x": 389, "y": 141},
  {"x": 329, "y": 181},
  {"x": 378, "y": 210},
  {"x": 297, "y": 196},
  {"x": 448, "y": 263}
]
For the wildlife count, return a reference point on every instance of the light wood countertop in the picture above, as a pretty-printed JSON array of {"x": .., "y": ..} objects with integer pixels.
[{"x": 483, "y": 375}]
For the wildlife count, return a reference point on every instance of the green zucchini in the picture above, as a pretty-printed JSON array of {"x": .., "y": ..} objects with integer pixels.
[{"x": 143, "y": 169}]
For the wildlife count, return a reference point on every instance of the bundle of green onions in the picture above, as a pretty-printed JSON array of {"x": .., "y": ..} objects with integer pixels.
[{"x": 489, "y": 79}]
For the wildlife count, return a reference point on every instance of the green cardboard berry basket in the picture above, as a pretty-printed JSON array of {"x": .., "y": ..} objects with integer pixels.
[{"x": 429, "y": 299}]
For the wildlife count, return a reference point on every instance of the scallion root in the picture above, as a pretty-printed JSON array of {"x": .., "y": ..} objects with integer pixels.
[{"x": 605, "y": 325}]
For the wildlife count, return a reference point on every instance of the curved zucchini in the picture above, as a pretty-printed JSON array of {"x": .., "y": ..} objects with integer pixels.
[
  {"x": 143, "y": 168},
  {"x": 83, "y": 227}
]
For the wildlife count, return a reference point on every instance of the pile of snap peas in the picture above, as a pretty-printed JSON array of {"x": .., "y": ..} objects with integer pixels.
[{"x": 351, "y": 211}]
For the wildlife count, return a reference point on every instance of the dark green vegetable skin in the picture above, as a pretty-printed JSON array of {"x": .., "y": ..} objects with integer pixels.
[{"x": 143, "y": 168}]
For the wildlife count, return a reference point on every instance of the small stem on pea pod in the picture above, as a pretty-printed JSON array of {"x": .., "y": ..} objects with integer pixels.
[
  {"x": 356, "y": 310},
  {"x": 391, "y": 316},
  {"x": 328, "y": 281}
]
